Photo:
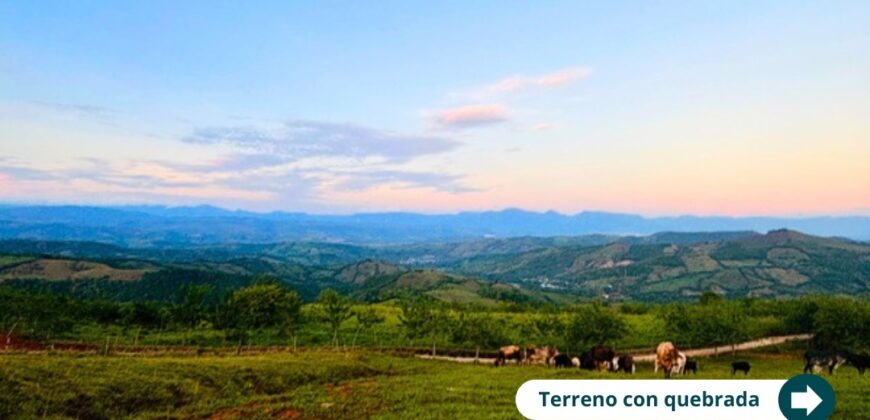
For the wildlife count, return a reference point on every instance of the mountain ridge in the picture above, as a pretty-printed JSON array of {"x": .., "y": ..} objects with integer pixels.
[{"x": 159, "y": 226}]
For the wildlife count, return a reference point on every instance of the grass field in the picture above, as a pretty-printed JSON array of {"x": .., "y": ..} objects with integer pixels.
[{"x": 317, "y": 384}]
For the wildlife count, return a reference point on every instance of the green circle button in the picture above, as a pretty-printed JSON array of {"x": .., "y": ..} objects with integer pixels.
[{"x": 806, "y": 397}]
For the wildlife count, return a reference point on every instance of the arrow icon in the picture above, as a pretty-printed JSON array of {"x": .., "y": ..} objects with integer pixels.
[{"x": 808, "y": 400}]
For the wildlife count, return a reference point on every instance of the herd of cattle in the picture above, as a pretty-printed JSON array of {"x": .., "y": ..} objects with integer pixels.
[{"x": 668, "y": 358}]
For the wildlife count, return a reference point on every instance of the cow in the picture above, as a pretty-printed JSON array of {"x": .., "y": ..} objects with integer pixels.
[
  {"x": 575, "y": 361},
  {"x": 602, "y": 357},
  {"x": 740, "y": 366},
  {"x": 666, "y": 357},
  {"x": 691, "y": 366},
  {"x": 540, "y": 355},
  {"x": 562, "y": 361},
  {"x": 680, "y": 364},
  {"x": 860, "y": 361},
  {"x": 623, "y": 362},
  {"x": 818, "y": 360},
  {"x": 508, "y": 353},
  {"x": 586, "y": 361}
]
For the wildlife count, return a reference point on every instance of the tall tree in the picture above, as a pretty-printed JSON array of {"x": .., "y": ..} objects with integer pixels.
[
  {"x": 366, "y": 319},
  {"x": 334, "y": 309}
]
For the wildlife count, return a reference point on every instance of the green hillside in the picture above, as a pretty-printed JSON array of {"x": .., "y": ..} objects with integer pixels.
[{"x": 780, "y": 263}]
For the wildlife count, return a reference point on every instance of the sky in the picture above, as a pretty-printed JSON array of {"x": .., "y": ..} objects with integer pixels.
[{"x": 648, "y": 107}]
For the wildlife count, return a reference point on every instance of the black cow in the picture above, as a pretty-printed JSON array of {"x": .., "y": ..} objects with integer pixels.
[
  {"x": 586, "y": 361},
  {"x": 740, "y": 366},
  {"x": 860, "y": 361},
  {"x": 817, "y": 360},
  {"x": 562, "y": 361},
  {"x": 623, "y": 362},
  {"x": 691, "y": 366}
]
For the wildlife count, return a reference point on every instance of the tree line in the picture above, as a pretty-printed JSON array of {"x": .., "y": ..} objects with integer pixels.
[{"x": 268, "y": 306}]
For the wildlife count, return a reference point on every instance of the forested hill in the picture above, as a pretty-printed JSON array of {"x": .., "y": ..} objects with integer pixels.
[
  {"x": 667, "y": 266},
  {"x": 780, "y": 263},
  {"x": 143, "y": 226}
]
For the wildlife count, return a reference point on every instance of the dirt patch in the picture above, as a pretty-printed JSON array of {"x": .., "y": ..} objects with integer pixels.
[{"x": 341, "y": 390}]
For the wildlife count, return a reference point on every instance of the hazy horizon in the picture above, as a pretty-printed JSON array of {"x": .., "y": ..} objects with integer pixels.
[{"x": 860, "y": 213}]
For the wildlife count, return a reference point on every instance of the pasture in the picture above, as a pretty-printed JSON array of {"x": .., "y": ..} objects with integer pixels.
[{"x": 321, "y": 384}]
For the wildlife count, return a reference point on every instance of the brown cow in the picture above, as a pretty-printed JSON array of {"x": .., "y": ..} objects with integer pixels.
[
  {"x": 540, "y": 355},
  {"x": 508, "y": 353},
  {"x": 602, "y": 357},
  {"x": 667, "y": 357}
]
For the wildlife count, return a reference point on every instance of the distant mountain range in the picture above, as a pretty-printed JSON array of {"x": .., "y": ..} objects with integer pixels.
[{"x": 157, "y": 226}]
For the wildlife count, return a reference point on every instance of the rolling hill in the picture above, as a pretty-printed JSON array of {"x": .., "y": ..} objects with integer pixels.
[
  {"x": 664, "y": 266},
  {"x": 780, "y": 263}
]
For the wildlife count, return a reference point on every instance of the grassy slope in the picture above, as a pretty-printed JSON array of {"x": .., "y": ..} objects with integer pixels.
[{"x": 315, "y": 385}]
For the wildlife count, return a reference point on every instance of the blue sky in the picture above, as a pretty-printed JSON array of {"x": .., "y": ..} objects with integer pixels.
[{"x": 649, "y": 107}]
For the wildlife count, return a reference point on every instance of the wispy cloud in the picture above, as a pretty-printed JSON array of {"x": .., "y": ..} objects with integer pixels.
[
  {"x": 549, "y": 80},
  {"x": 290, "y": 165},
  {"x": 303, "y": 139},
  {"x": 470, "y": 116}
]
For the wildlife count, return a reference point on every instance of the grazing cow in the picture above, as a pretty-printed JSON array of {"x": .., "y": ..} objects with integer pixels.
[
  {"x": 860, "y": 361},
  {"x": 818, "y": 360},
  {"x": 680, "y": 364},
  {"x": 586, "y": 361},
  {"x": 508, "y": 353},
  {"x": 623, "y": 362},
  {"x": 666, "y": 357},
  {"x": 740, "y": 366},
  {"x": 602, "y": 357},
  {"x": 575, "y": 361},
  {"x": 691, "y": 366},
  {"x": 562, "y": 361},
  {"x": 540, "y": 355}
]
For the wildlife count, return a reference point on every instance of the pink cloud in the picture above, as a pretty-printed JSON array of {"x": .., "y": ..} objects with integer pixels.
[
  {"x": 558, "y": 78},
  {"x": 471, "y": 115}
]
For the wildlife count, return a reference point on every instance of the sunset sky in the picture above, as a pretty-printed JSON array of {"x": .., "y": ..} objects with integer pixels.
[{"x": 650, "y": 107}]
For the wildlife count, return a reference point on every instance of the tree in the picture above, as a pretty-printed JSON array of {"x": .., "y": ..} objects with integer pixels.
[
  {"x": 842, "y": 324},
  {"x": 594, "y": 324},
  {"x": 259, "y": 306},
  {"x": 366, "y": 318},
  {"x": 421, "y": 320},
  {"x": 712, "y": 324},
  {"x": 191, "y": 307},
  {"x": 708, "y": 298},
  {"x": 478, "y": 330},
  {"x": 334, "y": 310},
  {"x": 415, "y": 318}
]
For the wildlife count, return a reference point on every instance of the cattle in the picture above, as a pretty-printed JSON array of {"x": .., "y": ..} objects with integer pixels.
[
  {"x": 586, "y": 361},
  {"x": 508, "y": 353},
  {"x": 860, "y": 361},
  {"x": 740, "y": 366},
  {"x": 540, "y": 355},
  {"x": 602, "y": 357},
  {"x": 562, "y": 361},
  {"x": 680, "y": 364},
  {"x": 691, "y": 366},
  {"x": 575, "y": 361},
  {"x": 666, "y": 357},
  {"x": 623, "y": 362},
  {"x": 818, "y": 360}
]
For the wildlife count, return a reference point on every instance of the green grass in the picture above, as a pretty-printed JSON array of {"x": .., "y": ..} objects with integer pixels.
[{"x": 318, "y": 384}]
